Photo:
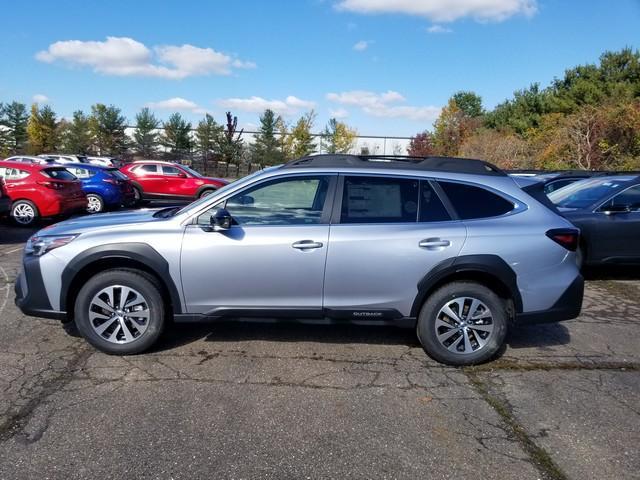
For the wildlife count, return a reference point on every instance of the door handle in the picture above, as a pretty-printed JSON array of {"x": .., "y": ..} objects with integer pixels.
[
  {"x": 306, "y": 245},
  {"x": 434, "y": 243}
]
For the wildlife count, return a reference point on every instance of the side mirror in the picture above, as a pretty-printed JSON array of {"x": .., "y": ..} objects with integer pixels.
[
  {"x": 220, "y": 220},
  {"x": 613, "y": 209},
  {"x": 182, "y": 175}
]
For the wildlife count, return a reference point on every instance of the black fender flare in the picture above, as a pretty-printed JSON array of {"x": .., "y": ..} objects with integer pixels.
[
  {"x": 139, "y": 252},
  {"x": 487, "y": 264},
  {"x": 206, "y": 186}
]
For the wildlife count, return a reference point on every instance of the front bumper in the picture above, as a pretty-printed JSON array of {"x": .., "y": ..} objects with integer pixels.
[
  {"x": 31, "y": 296},
  {"x": 567, "y": 307}
]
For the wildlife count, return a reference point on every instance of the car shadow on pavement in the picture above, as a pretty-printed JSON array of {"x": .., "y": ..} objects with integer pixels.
[
  {"x": 612, "y": 272},
  {"x": 242, "y": 331},
  {"x": 540, "y": 336},
  {"x": 11, "y": 234}
]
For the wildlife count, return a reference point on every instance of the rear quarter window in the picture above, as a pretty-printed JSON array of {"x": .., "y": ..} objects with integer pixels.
[{"x": 472, "y": 202}]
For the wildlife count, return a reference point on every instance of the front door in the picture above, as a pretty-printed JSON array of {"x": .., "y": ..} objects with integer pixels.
[
  {"x": 616, "y": 236},
  {"x": 391, "y": 231},
  {"x": 273, "y": 256}
]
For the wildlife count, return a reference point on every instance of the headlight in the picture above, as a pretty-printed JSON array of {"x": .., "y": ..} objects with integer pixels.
[{"x": 40, "y": 244}]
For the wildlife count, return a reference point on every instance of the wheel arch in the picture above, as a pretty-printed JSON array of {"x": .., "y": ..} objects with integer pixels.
[
  {"x": 488, "y": 270},
  {"x": 138, "y": 256},
  {"x": 205, "y": 187}
]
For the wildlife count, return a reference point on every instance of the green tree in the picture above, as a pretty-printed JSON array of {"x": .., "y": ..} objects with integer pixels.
[
  {"x": 145, "y": 135},
  {"x": 208, "y": 138},
  {"x": 522, "y": 113},
  {"x": 266, "y": 148},
  {"x": 13, "y": 120},
  {"x": 42, "y": 130},
  {"x": 339, "y": 136},
  {"x": 301, "y": 136},
  {"x": 232, "y": 145},
  {"x": 75, "y": 136},
  {"x": 470, "y": 103},
  {"x": 176, "y": 137},
  {"x": 107, "y": 126}
]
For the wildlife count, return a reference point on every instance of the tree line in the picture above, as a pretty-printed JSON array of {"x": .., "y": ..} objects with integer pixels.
[
  {"x": 104, "y": 132},
  {"x": 588, "y": 119}
]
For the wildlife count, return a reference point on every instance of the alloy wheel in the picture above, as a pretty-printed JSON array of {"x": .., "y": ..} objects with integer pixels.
[
  {"x": 119, "y": 314},
  {"x": 464, "y": 325},
  {"x": 24, "y": 213},
  {"x": 94, "y": 204}
]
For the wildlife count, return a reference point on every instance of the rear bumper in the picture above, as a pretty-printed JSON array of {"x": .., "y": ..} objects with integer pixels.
[
  {"x": 31, "y": 296},
  {"x": 567, "y": 307},
  {"x": 5, "y": 205}
]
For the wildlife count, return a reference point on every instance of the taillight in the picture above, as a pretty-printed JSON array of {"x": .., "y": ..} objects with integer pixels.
[
  {"x": 52, "y": 185},
  {"x": 565, "y": 237}
]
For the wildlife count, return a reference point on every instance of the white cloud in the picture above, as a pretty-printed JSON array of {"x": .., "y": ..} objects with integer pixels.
[
  {"x": 176, "y": 104},
  {"x": 122, "y": 56},
  {"x": 40, "y": 98},
  {"x": 361, "y": 46},
  {"x": 289, "y": 106},
  {"x": 438, "y": 29},
  {"x": 445, "y": 10},
  {"x": 338, "y": 113},
  {"x": 387, "y": 105}
]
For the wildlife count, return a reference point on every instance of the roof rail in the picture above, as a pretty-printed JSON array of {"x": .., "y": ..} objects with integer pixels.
[{"x": 442, "y": 164}]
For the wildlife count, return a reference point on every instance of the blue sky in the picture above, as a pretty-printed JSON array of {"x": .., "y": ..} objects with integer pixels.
[{"x": 384, "y": 66}]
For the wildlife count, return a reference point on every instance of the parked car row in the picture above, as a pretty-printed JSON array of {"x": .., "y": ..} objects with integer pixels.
[{"x": 28, "y": 198}]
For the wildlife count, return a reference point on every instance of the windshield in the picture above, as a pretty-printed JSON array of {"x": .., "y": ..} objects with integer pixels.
[
  {"x": 223, "y": 189},
  {"x": 587, "y": 192}
]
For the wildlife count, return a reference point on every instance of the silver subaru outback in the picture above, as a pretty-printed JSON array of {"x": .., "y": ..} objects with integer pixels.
[{"x": 452, "y": 247}]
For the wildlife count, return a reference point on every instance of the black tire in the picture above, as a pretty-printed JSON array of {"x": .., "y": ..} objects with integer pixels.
[
  {"x": 148, "y": 288},
  {"x": 206, "y": 192},
  {"x": 137, "y": 196},
  {"x": 97, "y": 201},
  {"x": 21, "y": 206},
  {"x": 426, "y": 328},
  {"x": 581, "y": 255}
]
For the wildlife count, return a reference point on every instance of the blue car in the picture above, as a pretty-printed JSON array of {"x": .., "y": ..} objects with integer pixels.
[{"x": 106, "y": 187}]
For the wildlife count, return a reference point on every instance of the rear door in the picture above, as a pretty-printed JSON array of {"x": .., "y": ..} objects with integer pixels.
[{"x": 387, "y": 232}]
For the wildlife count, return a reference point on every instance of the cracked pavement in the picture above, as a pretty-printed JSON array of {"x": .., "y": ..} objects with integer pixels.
[{"x": 262, "y": 400}]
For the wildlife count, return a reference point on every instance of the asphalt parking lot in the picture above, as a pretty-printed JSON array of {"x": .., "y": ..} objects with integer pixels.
[{"x": 247, "y": 400}]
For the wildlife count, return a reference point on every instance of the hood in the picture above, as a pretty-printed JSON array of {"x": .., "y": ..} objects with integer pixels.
[
  {"x": 102, "y": 220},
  {"x": 214, "y": 179}
]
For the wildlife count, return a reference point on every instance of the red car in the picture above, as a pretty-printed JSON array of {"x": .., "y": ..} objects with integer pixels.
[
  {"x": 41, "y": 191},
  {"x": 169, "y": 181}
]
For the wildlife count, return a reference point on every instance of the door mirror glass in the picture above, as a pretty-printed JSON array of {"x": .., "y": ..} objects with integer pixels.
[{"x": 220, "y": 220}]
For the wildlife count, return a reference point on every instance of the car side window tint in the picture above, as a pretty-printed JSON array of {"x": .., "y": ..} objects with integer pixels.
[
  {"x": 146, "y": 169},
  {"x": 472, "y": 202},
  {"x": 171, "y": 171},
  {"x": 289, "y": 201},
  {"x": 629, "y": 198},
  {"x": 13, "y": 173},
  {"x": 431, "y": 207},
  {"x": 379, "y": 200}
]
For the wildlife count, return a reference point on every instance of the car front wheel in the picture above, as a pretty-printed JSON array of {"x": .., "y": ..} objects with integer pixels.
[
  {"x": 120, "y": 311},
  {"x": 462, "y": 323}
]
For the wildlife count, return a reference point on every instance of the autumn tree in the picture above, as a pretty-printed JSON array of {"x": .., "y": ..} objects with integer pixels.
[
  {"x": 506, "y": 150},
  {"x": 301, "y": 136},
  {"x": 145, "y": 135},
  {"x": 421, "y": 145},
  {"x": 339, "y": 137},
  {"x": 176, "y": 137},
  {"x": 42, "y": 130}
]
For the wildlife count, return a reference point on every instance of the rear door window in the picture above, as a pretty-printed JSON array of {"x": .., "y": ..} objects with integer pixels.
[
  {"x": 475, "y": 202},
  {"x": 379, "y": 200},
  {"x": 59, "y": 174}
]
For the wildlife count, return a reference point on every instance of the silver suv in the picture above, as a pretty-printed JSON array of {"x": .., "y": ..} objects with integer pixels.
[{"x": 449, "y": 246}]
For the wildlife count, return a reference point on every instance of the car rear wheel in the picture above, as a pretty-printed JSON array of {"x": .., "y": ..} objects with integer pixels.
[
  {"x": 120, "y": 311},
  {"x": 462, "y": 323},
  {"x": 24, "y": 213},
  {"x": 137, "y": 196},
  {"x": 95, "y": 203}
]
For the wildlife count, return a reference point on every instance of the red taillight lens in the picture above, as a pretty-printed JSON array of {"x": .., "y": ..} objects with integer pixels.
[
  {"x": 52, "y": 185},
  {"x": 566, "y": 238}
]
